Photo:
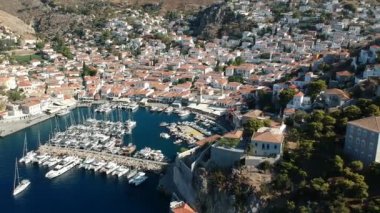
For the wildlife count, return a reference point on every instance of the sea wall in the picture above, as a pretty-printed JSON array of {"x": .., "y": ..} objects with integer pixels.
[
  {"x": 183, "y": 177},
  {"x": 224, "y": 157}
]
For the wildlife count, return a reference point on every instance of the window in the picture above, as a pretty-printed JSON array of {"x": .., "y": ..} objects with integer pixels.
[
  {"x": 255, "y": 144},
  {"x": 262, "y": 146},
  {"x": 275, "y": 146},
  {"x": 267, "y": 146}
]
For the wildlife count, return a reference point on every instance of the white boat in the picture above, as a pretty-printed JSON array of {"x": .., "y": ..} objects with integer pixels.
[
  {"x": 133, "y": 107},
  {"x": 19, "y": 186},
  {"x": 42, "y": 158},
  {"x": 165, "y": 135},
  {"x": 138, "y": 175},
  {"x": 140, "y": 180},
  {"x": 131, "y": 174},
  {"x": 184, "y": 113},
  {"x": 162, "y": 124},
  {"x": 63, "y": 112},
  {"x": 130, "y": 124},
  {"x": 26, "y": 156},
  {"x": 99, "y": 166},
  {"x": 70, "y": 162},
  {"x": 123, "y": 171},
  {"x": 169, "y": 110},
  {"x": 153, "y": 109},
  {"x": 178, "y": 141}
]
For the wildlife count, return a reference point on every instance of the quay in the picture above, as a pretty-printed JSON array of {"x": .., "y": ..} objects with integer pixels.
[{"x": 143, "y": 164}]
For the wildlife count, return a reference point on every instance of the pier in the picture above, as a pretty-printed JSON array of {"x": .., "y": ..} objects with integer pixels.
[{"x": 144, "y": 164}]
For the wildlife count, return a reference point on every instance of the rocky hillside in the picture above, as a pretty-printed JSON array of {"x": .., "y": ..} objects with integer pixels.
[
  {"x": 51, "y": 17},
  {"x": 220, "y": 191},
  {"x": 15, "y": 24},
  {"x": 217, "y": 20}
]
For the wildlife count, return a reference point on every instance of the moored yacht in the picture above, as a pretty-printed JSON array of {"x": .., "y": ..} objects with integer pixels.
[
  {"x": 19, "y": 186},
  {"x": 68, "y": 163},
  {"x": 138, "y": 175},
  {"x": 184, "y": 113},
  {"x": 139, "y": 180},
  {"x": 169, "y": 110}
]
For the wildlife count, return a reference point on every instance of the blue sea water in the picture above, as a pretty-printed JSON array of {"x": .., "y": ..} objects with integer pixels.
[{"x": 80, "y": 190}]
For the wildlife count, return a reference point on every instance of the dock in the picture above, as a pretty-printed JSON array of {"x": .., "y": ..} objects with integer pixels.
[{"x": 143, "y": 164}]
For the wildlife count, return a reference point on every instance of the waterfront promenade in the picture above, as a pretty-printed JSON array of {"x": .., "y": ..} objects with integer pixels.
[
  {"x": 10, "y": 127},
  {"x": 147, "y": 165}
]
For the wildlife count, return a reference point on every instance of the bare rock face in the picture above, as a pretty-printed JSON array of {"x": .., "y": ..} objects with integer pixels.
[
  {"x": 218, "y": 20},
  {"x": 223, "y": 192}
]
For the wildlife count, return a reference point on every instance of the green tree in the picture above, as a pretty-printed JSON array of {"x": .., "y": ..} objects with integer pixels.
[
  {"x": 329, "y": 120},
  {"x": 317, "y": 116},
  {"x": 315, "y": 87},
  {"x": 40, "y": 45},
  {"x": 338, "y": 164},
  {"x": 371, "y": 110},
  {"x": 356, "y": 166},
  {"x": 285, "y": 96},
  {"x": 320, "y": 186},
  {"x": 253, "y": 125},
  {"x": 282, "y": 182},
  {"x": 352, "y": 112},
  {"x": 238, "y": 79}
]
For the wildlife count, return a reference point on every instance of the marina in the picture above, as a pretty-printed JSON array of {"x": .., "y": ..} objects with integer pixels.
[
  {"x": 47, "y": 193},
  {"x": 101, "y": 148}
]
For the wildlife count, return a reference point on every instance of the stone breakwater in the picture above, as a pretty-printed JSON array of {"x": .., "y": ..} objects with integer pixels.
[{"x": 143, "y": 164}]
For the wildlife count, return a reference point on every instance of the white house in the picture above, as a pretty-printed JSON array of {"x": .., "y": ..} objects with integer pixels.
[
  {"x": 267, "y": 142},
  {"x": 299, "y": 101},
  {"x": 32, "y": 107}
]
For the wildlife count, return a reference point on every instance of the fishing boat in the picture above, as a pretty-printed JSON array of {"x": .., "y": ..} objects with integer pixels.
[
  {"x": 19, "y": 185},
  {"x": 128, "y": 150}
]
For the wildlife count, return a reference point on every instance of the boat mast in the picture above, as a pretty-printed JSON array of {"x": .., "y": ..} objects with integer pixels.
[
  {"x": 25, "y": 146},
  {"x": 39, "y": 138},
  {"x": 17, "y": 179}
]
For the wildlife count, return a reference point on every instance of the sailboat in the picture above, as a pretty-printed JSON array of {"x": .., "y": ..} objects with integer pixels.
[
  {"x": 27, "y": 157},
  {"x": 24, "y": 151},
  {"x": 19, "y": 186},
  {"x": 130, "y": 124}
]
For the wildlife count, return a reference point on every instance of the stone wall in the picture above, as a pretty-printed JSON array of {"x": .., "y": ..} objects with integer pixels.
[{"x": 224, "y": 157}]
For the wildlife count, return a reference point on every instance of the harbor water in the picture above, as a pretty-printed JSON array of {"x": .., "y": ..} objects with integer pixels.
[{"x": 81, "y": 190}]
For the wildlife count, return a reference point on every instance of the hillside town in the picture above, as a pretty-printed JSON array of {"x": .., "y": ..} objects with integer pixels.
[{"x": 306, "y": 70}]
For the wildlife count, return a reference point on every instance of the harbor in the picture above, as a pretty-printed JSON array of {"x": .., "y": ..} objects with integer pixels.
[
  {"x": 45, "y": 192},
  {"x": 113, "y": 171}
]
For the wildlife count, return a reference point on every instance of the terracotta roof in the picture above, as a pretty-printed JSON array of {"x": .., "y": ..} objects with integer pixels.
[
  {"x": 237, "y": 134},
  {"x": 344, "y": 73},
  {"x": 253, "y": 113},
  {"x": 300, "y": 94},
  {"x": 208, "y": 140},
  {"x": 268, "y": 136},
  {"x": 183, "y": 209},
  {"x": 342, "y": 94},
  {"x": 370, "y": 123}
]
